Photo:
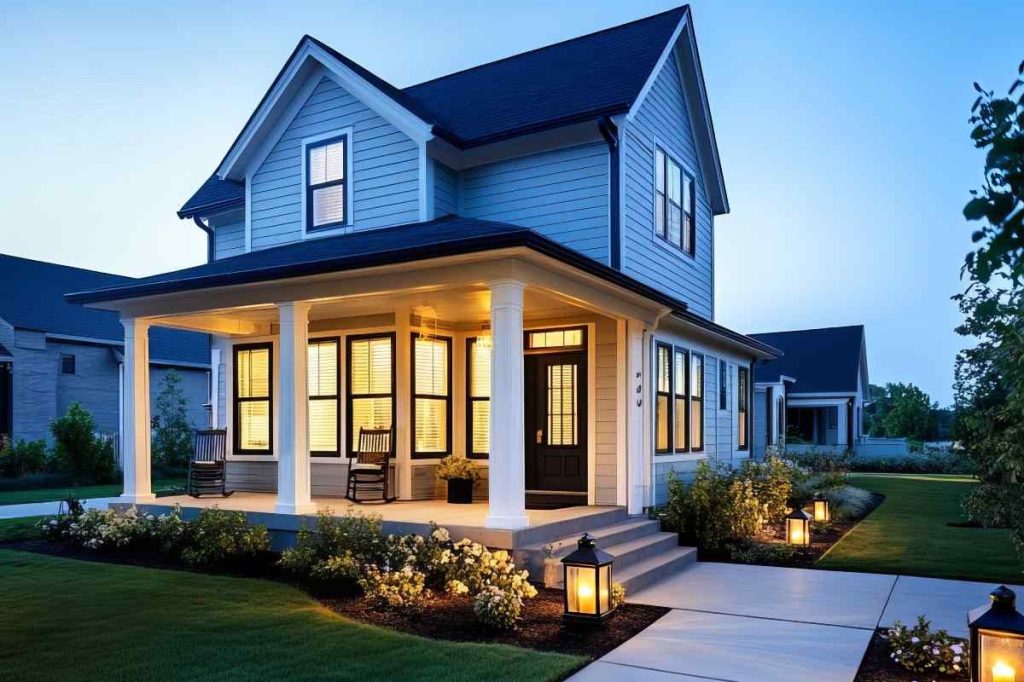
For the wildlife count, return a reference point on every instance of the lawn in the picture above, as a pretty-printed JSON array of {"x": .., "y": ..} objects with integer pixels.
[
  {"x": 909, "y": 533},
  {"x": 81, "y": 492},
  {"x": 67, "y": 619}
]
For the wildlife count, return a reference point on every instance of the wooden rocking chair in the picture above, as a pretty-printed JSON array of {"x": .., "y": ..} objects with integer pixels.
[
  {"x": 369, "y": 469},
  {"x": 207, "y": 470}
]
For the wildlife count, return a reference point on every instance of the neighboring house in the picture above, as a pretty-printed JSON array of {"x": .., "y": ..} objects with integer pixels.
[
  {"x": 53, "y": 353},
  {"x": 814, "y": 394},
  {"x": 512, "y": 263}
]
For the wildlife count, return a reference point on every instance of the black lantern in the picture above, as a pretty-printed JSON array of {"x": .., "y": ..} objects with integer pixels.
[
  {"x": 798, "y": 528},
  {"x": 588, "y": 582},
  {"x": 997, "y": 639},
  {"x": 822, "y": 510}
]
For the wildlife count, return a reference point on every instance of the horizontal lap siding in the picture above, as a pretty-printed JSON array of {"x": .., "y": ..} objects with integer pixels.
[
  {"x": 446, "y": 190},
  {"x": 563, "y": 194},
  {"x": 229, "y": 239},
  {"x": 663, "y": 120},
  {"x": 606, "y": 445},
  {"x": 385, "y": 176}
]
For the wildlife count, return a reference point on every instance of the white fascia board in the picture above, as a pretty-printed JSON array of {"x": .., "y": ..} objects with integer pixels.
[{"x": 653, "y": 76}]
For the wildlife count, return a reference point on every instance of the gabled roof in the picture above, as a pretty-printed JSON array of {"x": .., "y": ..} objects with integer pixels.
[
  {"x": 821, "y": 360},
  {"x": 33, "y": 299},
  {"x": 599, "y": 74}
]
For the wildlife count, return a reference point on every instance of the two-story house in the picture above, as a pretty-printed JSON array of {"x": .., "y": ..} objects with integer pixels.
[{"x": 512, "y": 263}]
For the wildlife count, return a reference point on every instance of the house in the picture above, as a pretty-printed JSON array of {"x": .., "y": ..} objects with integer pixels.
[
  {"x": 815, "y": 394},
  {"x": 53, "y": 353},
  {"x": 512, "y": 263}
]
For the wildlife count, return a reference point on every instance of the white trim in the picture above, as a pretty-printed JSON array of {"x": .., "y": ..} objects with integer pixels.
[
  {"x": 426, "y": 185},
  {"x": 591, "y": 412},
  {"x": 656, "y": 71},
  {"x": 248, "y": 212},
  {"x": 623, "y": 395},
  {"x": 823, "y": 394},
  {"x": 214, "y": 388},
  {"x": 271, "y": 139},
  {"x": 350, "y": 209}
]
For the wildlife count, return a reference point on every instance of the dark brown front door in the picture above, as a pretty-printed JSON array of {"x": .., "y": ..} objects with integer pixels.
[{"x": 556, "y": 422}]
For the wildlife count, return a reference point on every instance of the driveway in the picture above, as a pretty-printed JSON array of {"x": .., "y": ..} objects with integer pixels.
[{"x": 737, "y": 623}]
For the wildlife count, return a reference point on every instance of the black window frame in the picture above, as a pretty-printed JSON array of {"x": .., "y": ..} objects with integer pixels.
[
  {"x": 349, "y": 450},
  {"x": 64, "y": 358},
  {"x": 742, "y": 408},
  {"x": 427, "y": 396},
  {"x": 723, "y": 385},
  {"x": 470, "y": 399},
  {"x": 336, "y": 340},
  {"x": 660, "y": 346},
  {"x": 237, "y": 400},
  {"x": 684, "y": 382},
  {"x": 694, "y": 356},
  {"x": 310, "y": 188},
  {"x": 663, "y": 203}
]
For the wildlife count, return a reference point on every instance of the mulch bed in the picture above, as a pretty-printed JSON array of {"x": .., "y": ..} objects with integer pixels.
[{"x": 878, "y": 667}]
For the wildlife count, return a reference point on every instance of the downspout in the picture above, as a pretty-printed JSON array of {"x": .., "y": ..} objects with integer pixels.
[
  {"x": 209, "y": 236},
  {"x": 610, "y": 133}
]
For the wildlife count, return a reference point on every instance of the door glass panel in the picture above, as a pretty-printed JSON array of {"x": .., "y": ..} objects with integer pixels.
[{"x": 562, "y": 405}]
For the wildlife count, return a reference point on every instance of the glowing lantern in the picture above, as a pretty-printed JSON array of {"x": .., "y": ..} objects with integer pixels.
[
  {"x": 588, "y": 582},
  {"x": 798, "y": 528},
  {"x": 822, "y": 511},
  {"x": 997, "y": 639}
]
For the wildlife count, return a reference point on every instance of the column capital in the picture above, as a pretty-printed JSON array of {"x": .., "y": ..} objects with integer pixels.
[
  {"x": 295, "y": 308},
  {"x": 133, "y": 324},
  {"x": 506, "y": 292}
]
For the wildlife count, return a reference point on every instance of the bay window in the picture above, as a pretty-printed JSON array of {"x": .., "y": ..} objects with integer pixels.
[
  {"x": 322, "y": 382},
  {"x": 431, "y": 389},
  {"x": 478, "y": 393},
  {"x": 696, "y": 402},
  {"x": 253, "y": 398},
  {"x": 370, "y": 389},
  {"x": 662, "y": 399}
]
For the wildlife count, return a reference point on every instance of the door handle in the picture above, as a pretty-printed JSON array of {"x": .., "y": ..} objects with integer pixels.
[{"x": 540, "y": 436}]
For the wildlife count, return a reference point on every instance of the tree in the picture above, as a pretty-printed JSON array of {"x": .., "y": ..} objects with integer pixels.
[
  {"x": 172, "y": 433},
  {"x": 909, "y": 413},
  {"x": 78, "y": 450},
  {"x": 874, "y": 414}
]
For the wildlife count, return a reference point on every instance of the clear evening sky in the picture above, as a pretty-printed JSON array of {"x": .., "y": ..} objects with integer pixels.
[{"x": 842, "y": 127}]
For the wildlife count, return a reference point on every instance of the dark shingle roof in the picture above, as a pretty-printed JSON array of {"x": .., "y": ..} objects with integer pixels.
[
  {"x": 33, "y": 299},
  {"x": 580, "y": 79},
  {"x": 821, "y": 360}
]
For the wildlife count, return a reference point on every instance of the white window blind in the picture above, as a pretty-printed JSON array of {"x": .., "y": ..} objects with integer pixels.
[
  {"x": 371, "y": 391},
  {"x": 323, "y": 396},
  {"x": 326, "y": 183},
  {"x": 252, "y": 399},
  {"x": 479, "y": 380},
  {"x": 431, "y": 382}
]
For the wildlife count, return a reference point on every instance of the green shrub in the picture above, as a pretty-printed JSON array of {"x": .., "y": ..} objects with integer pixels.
[
  {"x": 217, "y": 535},
  {"x": 920, "y": 649},
  {"x": 401, "y": 590},
  {"x": 701, "y": 510},
  {"x": 931, "y": 462},
  {"x": 994, "y": 505},
  {"x": 355, "y": 535},
  {"x": 822, "y": 461},
  {"x": 172, "y": 433},
  {"x": 772, "y": 482},
  {"x": 78, "y": 451},
  {"x": 762, "y": 553},
  {"x": 23, "y": 458},
  {"x": 848, "y": 502}
]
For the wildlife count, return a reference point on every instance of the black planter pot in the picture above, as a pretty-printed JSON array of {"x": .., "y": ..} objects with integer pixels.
[{"x": 460, "y": 491}]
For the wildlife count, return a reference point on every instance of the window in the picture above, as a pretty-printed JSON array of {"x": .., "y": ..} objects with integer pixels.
[
  {"x": 555, "y": 338},
  {"x": 662, "y": 400},
  {"x": 371, "y": 385},
  {"x": 723, "y": 385},
  {"x": 562, "y": 409},
  {"x": 674, "y": 203},
  {"x": 67, "y": 364},
  {"x": 478, "y": 392},
  {"x": 326, "y": 181},
  {"x": 742, "y": 401},
  {"x": 323, "y": 368},
  {"x": 681, "y": 442},
  {"x": 696, "y": 402},
  {"x": 254, "y": 389},
  {"x": 431, "y": 388}
]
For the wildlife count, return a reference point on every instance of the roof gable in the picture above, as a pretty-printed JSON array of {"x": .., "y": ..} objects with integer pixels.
[{"x": 821, "y": 360}]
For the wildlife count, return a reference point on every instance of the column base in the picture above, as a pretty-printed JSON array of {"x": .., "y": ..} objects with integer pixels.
[
  {"x": 506, "y": 522},
  {"x": 295, "y": 509},
  {"x": 146, "y": 498}
]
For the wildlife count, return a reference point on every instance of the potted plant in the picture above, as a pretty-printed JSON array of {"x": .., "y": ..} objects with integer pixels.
[{"x": 460, "y": 473}]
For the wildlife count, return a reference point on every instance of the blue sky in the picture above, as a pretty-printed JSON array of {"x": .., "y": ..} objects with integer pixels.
[{"x": 842, "y": 129}]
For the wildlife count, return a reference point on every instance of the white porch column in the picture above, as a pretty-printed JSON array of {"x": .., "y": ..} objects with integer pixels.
[
  {"x": 293, "y": 485},
  {"x": 507, "y": 477},
  {"x": 136, "y": 424},
  {"x": 637, "y": 391},
  {"x": 403, "y": 406}
]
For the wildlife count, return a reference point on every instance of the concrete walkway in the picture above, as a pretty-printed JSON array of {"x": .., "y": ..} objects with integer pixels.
[
  {"x": 17, "y": 511},
  {"x": 737, "y": 623}
]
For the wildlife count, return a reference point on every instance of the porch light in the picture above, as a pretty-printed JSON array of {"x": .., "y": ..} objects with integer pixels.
[
  {"x": 822, "y": 510},
  {"x": 798, "y": 528},
  {"x": 588, "y": 583},
  {"x": 997, "y": 639}
]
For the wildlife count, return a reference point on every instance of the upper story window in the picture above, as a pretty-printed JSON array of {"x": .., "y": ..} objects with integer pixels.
[
  {"x": 674, "y": 203},
  {"x": 326, "y": 184}
]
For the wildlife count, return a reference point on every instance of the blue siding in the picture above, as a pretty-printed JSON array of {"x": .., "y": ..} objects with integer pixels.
[
  {"x": 662, "y": 119},
  {"x": 563, "y": 194},
  {"x": 446, "y": 190},
  {"x": 228, "y": 237},
  {"x": 385, "y": 175}
]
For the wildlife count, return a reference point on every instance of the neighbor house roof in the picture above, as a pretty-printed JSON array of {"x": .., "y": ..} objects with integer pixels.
[
  {"x": 447, "y": 236},
  {"x": 34, "y": 300},
  {"x": 821, "y": 360},
  {"x": 599, "y": 74}
]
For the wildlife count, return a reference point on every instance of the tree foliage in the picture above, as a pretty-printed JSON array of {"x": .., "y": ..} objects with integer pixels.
[
  {"x": 172, "y": 433},
  {"x": 899, "y": 410}
]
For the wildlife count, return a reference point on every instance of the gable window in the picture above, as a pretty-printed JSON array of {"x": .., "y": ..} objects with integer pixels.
[
  {"x": 681, "y": 385},
  {"x": 254, "y": 388},
  {"x": 696, "y": 402},
  {"x": 723, "y": 385},
  {"x": 67, "y": 363},
  {"x": 478, "y": 392},
  {"x": 326, "y": 180},
  {"x": 663, "y": 400},
  {"x": 370, "y": 393},
  {"x": 432, "y": 397},
  {"x": 674, "y": 203},
  {"x": 741, "y": 407},
  {"x": 323, "y": 397}
]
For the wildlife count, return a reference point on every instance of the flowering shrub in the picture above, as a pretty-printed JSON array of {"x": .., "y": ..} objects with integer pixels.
[
  {"x": 618, "y": 595},
  {"x": 919, "y": 649},
  {"x": 457, "y": 467},
  {"x": 498, "y": 608},
  {"x": 334, "y": 552},
  {"x": 217, "y": 535},
  {"x": 401, "y": 590}
]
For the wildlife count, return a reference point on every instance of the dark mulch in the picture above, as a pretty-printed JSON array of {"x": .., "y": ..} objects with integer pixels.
[
  {"x": 878, "y": 667},
  {"x": 452, "y": 618}
]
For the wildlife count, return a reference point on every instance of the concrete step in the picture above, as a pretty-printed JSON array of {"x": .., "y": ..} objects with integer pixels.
[
  {"x": 634, "y": 551},
  {"x": 554, "y": 530},
  {"x": 650, "y": 570},
  {"x": 532, "y": 556}
]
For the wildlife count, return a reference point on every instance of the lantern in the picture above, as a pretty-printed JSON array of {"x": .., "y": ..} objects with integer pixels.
[
  {"x": 588, "y": 582},
  {"x": 822, "y": 511},
  {"x": 997, "y": 639},
  {"x": 798, "y": 528}
]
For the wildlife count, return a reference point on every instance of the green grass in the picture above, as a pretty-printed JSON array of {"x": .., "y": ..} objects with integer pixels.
[
  {"x": 66, "y": 619},
  {"x": 909, "y": 533},
  {"x": 81, "y": 492},
  {"x": 19, "y": 529}
]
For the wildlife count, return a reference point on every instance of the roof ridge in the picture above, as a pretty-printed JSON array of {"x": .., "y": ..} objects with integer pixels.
[
  {"x": 66, "y": 267},
  {"x": 682, "y": 9}
]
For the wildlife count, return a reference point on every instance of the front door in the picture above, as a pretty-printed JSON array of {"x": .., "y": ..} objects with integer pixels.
[{"x": 556, "y": 428}]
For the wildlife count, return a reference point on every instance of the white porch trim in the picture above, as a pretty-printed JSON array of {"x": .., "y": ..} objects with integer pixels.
[
  {"x": 135, "y": 438},
  {"x": 293, "y": 481}
]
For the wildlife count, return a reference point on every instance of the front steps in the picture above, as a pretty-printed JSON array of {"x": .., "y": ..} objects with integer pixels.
[{"x": 643, "y": 554}]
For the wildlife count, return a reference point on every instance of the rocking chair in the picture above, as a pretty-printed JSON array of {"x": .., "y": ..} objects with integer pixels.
[
  {"x": 369, "y": 469},
  {"x": 207, "y": 470}
]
